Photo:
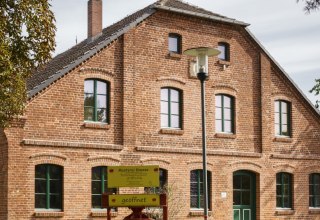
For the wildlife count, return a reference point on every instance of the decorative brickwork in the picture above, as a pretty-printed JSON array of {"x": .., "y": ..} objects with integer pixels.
[{"x": 137, "y": 65}]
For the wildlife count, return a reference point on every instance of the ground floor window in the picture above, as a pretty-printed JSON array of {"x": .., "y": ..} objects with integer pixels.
[
  {"x": 163, "y": 179},
  {"x": 314, "y": 190},
  {"x": 284, "y": 190},
  {"x": 99, "y": 186},
  {"x": 48, "y": 186},
  {"x": 196, "y": 189}
]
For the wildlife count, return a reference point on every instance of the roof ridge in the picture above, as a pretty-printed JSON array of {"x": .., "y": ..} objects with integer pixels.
[{"x": 195, "y": 6}]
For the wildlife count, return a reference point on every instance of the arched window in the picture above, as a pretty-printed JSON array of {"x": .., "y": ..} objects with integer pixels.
[
  {"x": 225, "y": 51},
  {"x": 282, "y": 118},
  {"x": 48, "y": 186},
  {"x": 175, "y": 43},
  {"x": 171, "y": 108},
  {"x": 284, "y": 190},
  {"x": 99, "y": 186},
  {"x": 163, "y": 179},
  {"x": 224, "y": 113},
  {"x": 96, "y": 98},
  {"x": 196, "y": 189},
  {"x": 314, "y": 190}
]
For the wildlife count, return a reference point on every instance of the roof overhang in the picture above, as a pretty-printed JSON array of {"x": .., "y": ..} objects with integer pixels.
[{"x": 201, "y": 15}]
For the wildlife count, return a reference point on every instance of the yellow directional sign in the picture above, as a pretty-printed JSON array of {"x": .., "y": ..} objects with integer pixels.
[
  {"x": 133, "y": 176},
  {"x": 138, "y": 200}
]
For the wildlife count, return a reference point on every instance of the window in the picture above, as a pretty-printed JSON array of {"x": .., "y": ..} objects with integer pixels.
[
  {"x": 224, "y": 113},
  {"x": 48, "y": 187},
  {"x": 196, "y": 189},
  {"x": 314, "y": 190},
  {"x": 175, "y": 43},
  {"x": 95, "y": 101},
  {"x": 284, "y": 190},
  {"x": 171, "y": 108},
  {"x": 282, "y": 118},
  {"x": 99, "y": 186},
  {"x": 163, "y": 175},
  {"x": 225, "y": 51}
]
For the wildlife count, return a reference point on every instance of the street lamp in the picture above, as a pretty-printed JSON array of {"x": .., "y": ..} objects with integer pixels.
[{"x": 202, "y": 54}]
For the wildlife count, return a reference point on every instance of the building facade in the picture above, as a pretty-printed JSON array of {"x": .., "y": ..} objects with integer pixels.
[{"x": 128, "y": 96}]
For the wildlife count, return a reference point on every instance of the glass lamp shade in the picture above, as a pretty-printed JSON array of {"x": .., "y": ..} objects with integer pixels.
[{"x": 202, "y": 54}]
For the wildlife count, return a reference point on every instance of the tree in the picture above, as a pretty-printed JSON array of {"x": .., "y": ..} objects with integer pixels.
[
  {"x": 27, "y": 32},
  {"x": 316, "y": 90},
  {"x": 311, "y": 5}
]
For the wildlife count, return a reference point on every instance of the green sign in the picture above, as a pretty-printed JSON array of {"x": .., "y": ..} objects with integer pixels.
[
  {"x": 133, "y": 176},
  {"x": 139, "y": 200}
]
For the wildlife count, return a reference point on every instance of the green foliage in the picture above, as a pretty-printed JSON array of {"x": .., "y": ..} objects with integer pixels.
[
  {"x": 316, "y": 90},
  {"x": 27, "y": 32},
  {"x": 311, "y": 5}
]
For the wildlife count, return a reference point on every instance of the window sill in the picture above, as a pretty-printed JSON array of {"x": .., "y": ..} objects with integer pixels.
[
  {"x": 173, "y": 55},
  {"x": 314, "y": 210},
  {"x": 48, "y": 214},
  {"x": 103, "y": 213},
  {"x": 199, "y": 212},
  {"x": 284, "y": 212},
  {"x": 225, "y": 135},
  {"x": 283, "y": 139},
  {"x": 96, "y": 125},
  {"x": 171, "y": 131},
  {"x": 224, "y": 62}
]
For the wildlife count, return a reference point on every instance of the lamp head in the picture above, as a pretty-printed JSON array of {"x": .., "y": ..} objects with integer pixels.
[{"x": 202, "y": 54}]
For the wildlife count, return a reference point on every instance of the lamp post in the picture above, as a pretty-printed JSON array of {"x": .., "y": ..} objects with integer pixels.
[{"x": 202, "y": 54}]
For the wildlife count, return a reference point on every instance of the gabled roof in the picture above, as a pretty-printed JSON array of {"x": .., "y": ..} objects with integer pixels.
[
  {"x": 70, "y": 59},
  {"x": 67, "y": 61}
]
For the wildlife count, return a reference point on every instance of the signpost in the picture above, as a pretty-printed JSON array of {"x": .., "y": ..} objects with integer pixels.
[
  {"x": 137, "y": 200},
  {"x": 134, "y": 176}
]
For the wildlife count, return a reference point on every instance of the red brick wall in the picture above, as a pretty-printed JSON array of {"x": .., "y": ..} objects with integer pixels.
[
  {"x": 137, "y": 65},
  {"x": 3, "y": 175}
]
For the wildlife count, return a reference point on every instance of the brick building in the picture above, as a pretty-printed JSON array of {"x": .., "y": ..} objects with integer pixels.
[{"x": 128, "y": 96}]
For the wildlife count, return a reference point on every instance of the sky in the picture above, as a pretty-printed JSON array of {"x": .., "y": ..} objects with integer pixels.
[{"x": 291, "y": 36}]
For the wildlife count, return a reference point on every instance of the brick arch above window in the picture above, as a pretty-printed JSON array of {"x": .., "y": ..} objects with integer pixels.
[
  {"x": 49, "y": 158},
  {"x": 246, "y": 165},
  {"x": 97, "y": 71},
  {"x": 287, "y": 168},
  {"x": 310, "y": 169},
  {"x": 198, "y": 165},
  {"x": 171, "y": 81},
  {"x": 99, "y": 76},
  {"x": 103, "y": 160},
  {"x": 225, "y": 89},
  {"x": 163, "y": 164}
]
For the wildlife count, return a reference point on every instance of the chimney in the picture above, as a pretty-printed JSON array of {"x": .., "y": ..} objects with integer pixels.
[{"x": 94, "y": 18}]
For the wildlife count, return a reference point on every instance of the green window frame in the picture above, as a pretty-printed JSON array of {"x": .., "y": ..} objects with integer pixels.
[
  {"x": 99, "y": 185},
  {"x": 314, "y": 190},
  {"x": 282, "y": 115},
  {"x": 171, "y": 108},
  {"x": 163, "y": 179},
  {"x": 48, "y": 186},
  {"x": 284, "y": 190},
  {"x": 196, "y": 189},
  {"x": 96, "y": 101},
  {"x": 224, "y": 113}
]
